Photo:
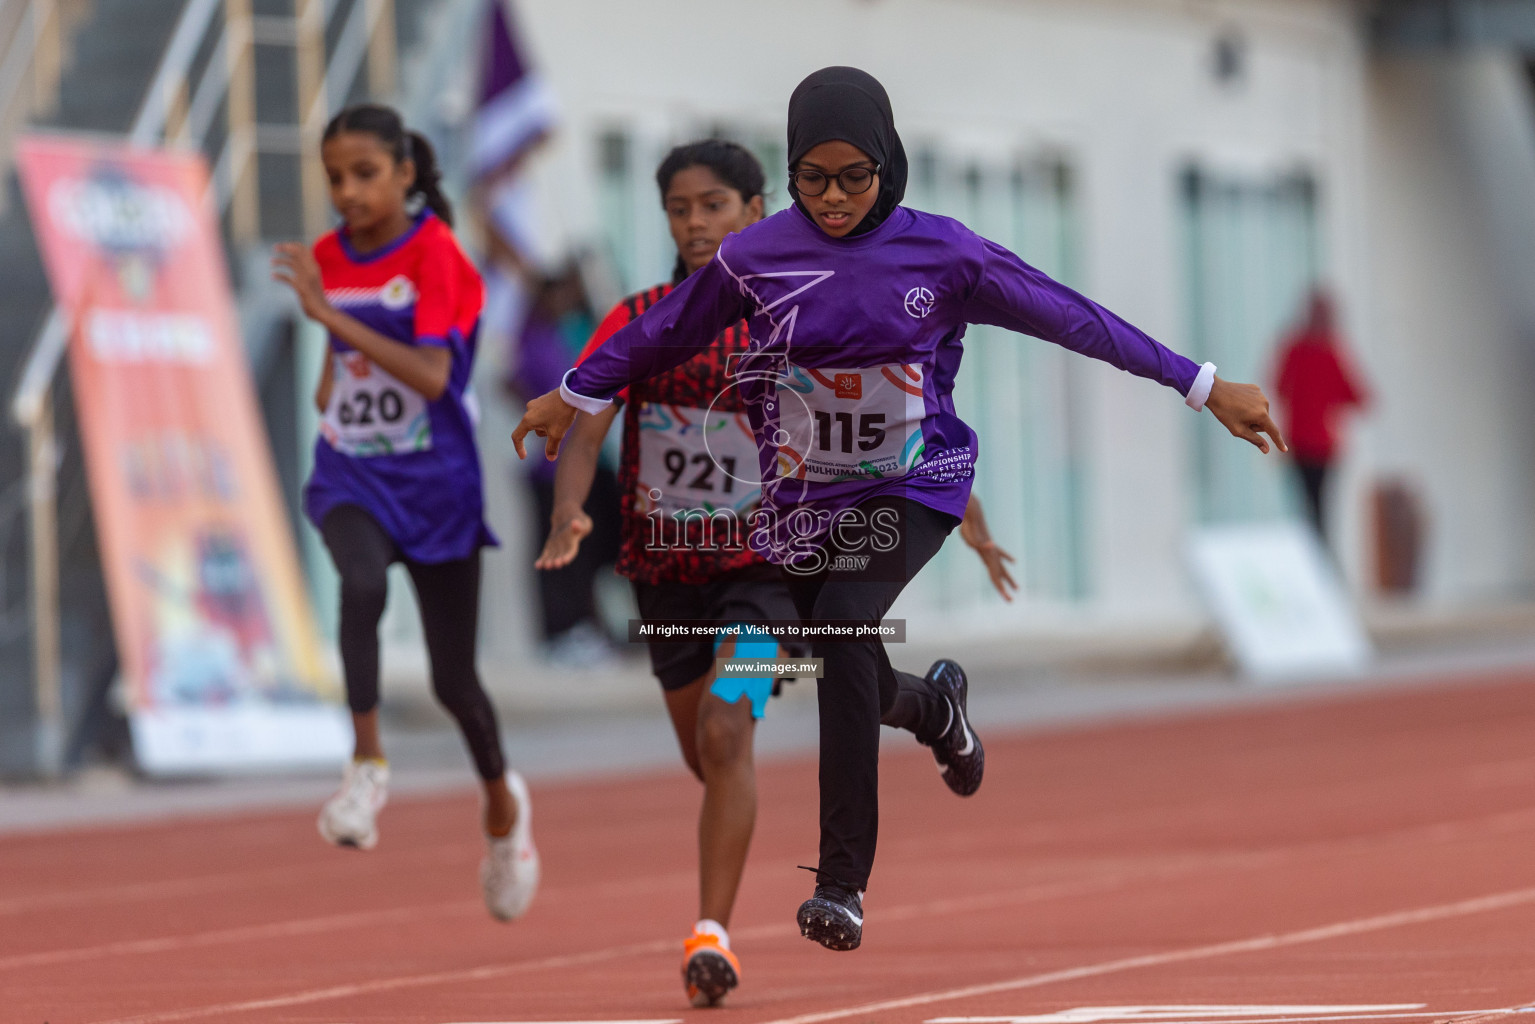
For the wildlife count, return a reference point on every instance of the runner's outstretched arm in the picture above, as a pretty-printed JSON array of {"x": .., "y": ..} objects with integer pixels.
[
  {"x": 669, "y": 333},
  {"x": 974, "y": 531},
  {"x": 573, "y": 476},
  {"x": 1011, "y": 294}
]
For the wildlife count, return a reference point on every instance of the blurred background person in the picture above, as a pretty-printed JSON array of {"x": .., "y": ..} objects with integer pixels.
[
  {"x": 558, "y": 322},
  {"x": 1317, "y": 385},
  {"x": 401, "y": 304}
]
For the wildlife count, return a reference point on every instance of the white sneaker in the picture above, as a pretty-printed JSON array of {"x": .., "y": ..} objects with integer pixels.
[
  {"x": 349, "y": 817},
  {"x": 509, "y": 873}
]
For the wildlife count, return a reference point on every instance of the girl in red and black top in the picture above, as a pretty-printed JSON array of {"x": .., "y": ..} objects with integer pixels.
[
  {"x": 688, "y": 454},
  {"x": 689, "y": 479}
]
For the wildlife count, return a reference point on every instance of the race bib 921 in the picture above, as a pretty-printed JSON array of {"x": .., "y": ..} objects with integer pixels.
[
  {"x": 695, "y": 459},
  {"x": 371, "y": 412}
]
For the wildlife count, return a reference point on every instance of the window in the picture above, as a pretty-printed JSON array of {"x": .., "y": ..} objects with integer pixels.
[
  {"x": 1020, "y": 395},
  {"x": 1251, "y": 256}
]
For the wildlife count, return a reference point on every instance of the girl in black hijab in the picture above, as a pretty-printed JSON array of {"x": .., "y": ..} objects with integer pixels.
[
  {"x": 857, "y": 307},
  {"x": 848, "y": 105}
]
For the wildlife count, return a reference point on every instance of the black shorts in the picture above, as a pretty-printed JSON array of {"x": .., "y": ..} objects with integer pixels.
[{"x": 755, "y": 594}]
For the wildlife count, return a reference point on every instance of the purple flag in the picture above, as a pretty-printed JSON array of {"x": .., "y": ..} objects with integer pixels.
[{"x": 515, "y": 107}]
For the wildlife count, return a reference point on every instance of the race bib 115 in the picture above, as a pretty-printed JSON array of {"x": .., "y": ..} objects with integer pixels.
[{"x": 863, "y": 423}]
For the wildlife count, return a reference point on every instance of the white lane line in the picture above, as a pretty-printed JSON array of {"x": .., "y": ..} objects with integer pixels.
[
  {"x": 1029, "y": 894},
  {"x": 315, "y": 925},
  {"x": 1258, "y": 943},
  {"x": 1094, "y": 1014},
  {"x": 1441, "y": 831},
  {"x": 249, "y": 933},
  {"x": 1457, "y": 1015},
  {"x": 220, "y": 882},
  {"x": 1481, "y": 904},
  {"x": 339, "y": 922},
  {"x": 394, "y": 984}
]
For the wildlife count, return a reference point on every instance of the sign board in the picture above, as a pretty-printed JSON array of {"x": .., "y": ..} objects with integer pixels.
[
  {"x": 1278, "y": 601},
  {"x": 212, "y": 622}
]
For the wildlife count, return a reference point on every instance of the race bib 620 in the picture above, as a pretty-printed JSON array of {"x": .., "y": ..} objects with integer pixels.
[{"x": 372, "y": 413}]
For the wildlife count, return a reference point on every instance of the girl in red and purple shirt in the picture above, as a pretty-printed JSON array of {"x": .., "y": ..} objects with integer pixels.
[{"x": 396, "y": 471}]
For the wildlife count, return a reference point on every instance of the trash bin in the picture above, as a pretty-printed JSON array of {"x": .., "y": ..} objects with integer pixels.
[{"x": 1399, "y": 533}]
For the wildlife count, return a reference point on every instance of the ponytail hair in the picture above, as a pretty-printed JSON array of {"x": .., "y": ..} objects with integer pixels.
[
  {"x": 385, "y": 124},
  {"x": 730, "y": 162},
  {"x": 428, "y": 183}
]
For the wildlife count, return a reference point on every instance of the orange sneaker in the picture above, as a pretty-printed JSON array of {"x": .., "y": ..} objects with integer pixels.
[{"x": 709, "y": 969}]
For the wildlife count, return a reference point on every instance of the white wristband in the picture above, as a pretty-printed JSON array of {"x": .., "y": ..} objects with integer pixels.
[
  {"x": 1199, "y": 391},
  {"x": 594, "y": 406}
]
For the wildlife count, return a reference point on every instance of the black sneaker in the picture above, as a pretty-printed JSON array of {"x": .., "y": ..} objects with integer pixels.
[
  {"x": 833, "y": 916},
  {"x": 960, "y": 756}
]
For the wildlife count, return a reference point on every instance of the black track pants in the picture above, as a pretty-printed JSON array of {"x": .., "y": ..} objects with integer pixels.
[
  {"x": 859, "y": 688},
  {"x": 449, "y": 596}
]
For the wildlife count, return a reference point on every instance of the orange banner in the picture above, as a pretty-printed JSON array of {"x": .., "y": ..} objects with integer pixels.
[{"x": 213, "y": 625}]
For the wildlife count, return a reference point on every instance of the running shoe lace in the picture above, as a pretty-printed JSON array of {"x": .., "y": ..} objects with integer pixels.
[{"x": 360, "y": 791}]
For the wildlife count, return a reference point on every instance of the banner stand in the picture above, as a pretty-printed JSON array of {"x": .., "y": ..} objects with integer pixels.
[{"x": 220, "y": 654}]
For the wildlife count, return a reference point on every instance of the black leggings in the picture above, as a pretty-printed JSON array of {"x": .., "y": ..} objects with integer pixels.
[
  {"x": 1313, "y": 478},
  {"x": 860, "y": 689},
  {"x": 449, "y": 596}
]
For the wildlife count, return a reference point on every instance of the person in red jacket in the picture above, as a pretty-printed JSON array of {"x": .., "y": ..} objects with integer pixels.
[{"x": 1316, "y": 385}]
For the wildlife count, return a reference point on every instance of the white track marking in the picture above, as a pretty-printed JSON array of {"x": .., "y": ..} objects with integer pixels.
[
  {"x": 314, "y": 925},
  {"x": 363, "y": 988},
  {"x": 1497, "y": 901},
  {"x": 338, "y": 922},
  {"x": 770, "y": 931},
  {"x": 673, "y": 1020},
  {"x": 1457, "y": 1015},
  {"x": 1094, "y": 1014},
  {"x": 1452, "y": 830},
  {"x": 1258, "y": 943},
  {"x": 220, "y": 882},
  {"x": 275, "y": 930}
]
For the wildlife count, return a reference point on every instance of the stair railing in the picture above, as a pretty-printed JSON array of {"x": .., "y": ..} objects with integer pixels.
[{"x": 183, "y": 112}]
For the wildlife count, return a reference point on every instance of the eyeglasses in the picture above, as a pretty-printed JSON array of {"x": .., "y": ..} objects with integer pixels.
[{"x": 852, "y": 180}]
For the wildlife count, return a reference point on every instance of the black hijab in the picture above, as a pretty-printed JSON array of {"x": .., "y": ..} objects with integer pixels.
[{"x": 848, "y": 105}]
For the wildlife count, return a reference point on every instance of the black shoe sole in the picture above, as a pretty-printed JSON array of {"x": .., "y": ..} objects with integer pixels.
[
  {"x": 828, "y": 924},
  {"x": 964, "y": 787},
  {"x": 960, "y": 698},
  {"x": 710, "y": 976}
]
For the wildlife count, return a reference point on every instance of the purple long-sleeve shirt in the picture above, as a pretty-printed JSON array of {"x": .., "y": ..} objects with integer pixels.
[{"x": 855, "y": 346}]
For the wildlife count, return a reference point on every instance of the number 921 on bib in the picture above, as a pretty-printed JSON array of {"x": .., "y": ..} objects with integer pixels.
[{"x": 694, "y": 458}]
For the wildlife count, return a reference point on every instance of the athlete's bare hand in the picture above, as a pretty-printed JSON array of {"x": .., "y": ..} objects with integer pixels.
[
  {"x": 294, "y": 265},
  {"x": 974, "y": 532},
  {"x": 548, "y": 416},
  {"x": 1244, "y": 410},
  {"x": 564, "y": 540}
]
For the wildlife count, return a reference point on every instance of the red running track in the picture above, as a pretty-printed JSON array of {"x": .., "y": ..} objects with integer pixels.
[{"x": 1375, "y": 853}]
